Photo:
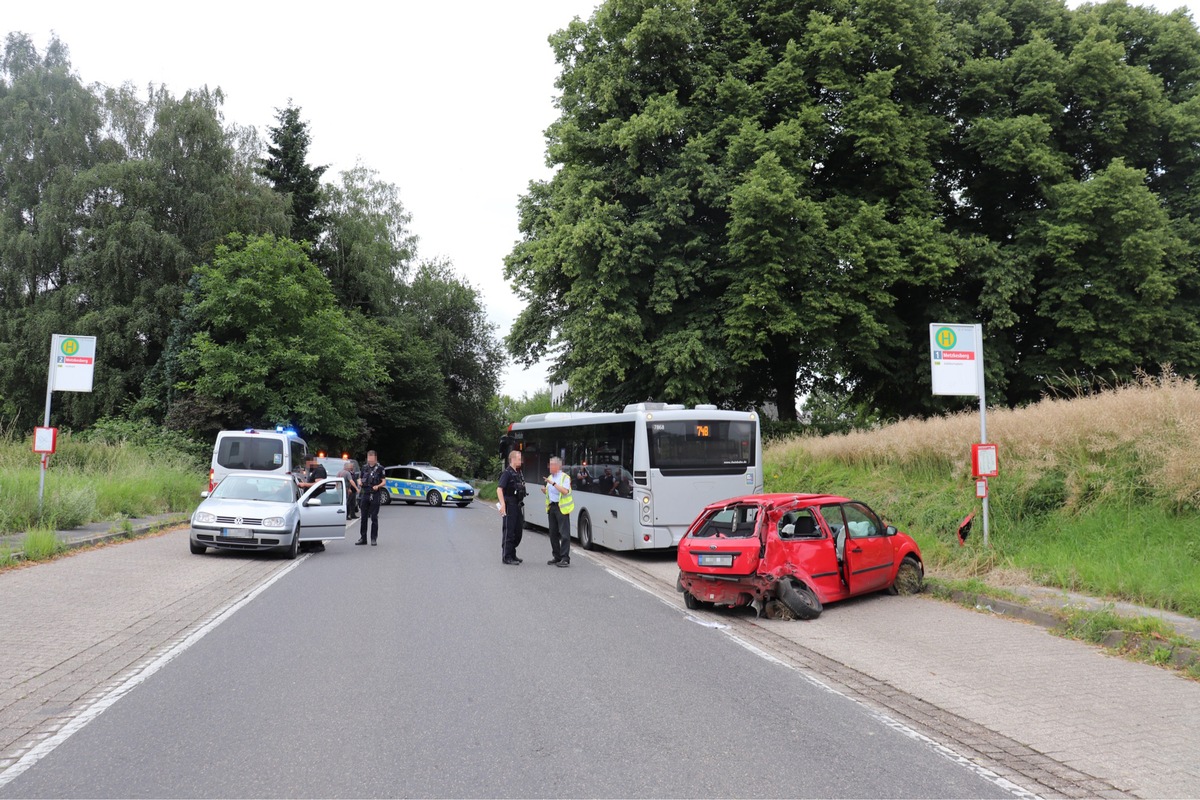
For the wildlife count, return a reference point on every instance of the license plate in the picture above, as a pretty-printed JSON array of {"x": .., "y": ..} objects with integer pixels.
[
  {"x": 716, "y": 559},
  {"x": 237, "y": 533}
]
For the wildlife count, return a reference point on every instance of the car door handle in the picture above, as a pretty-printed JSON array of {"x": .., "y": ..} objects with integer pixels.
[{"x": 856, "y": 550}]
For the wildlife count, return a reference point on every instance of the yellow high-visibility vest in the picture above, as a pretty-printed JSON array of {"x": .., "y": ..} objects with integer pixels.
[{"x": 566, "y": 502}]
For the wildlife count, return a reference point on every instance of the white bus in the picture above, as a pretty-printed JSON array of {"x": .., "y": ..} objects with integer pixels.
[{"x": 639, "y": 476}]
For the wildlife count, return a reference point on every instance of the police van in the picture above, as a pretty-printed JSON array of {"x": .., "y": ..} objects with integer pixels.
[{"x": 280, "y": 451}]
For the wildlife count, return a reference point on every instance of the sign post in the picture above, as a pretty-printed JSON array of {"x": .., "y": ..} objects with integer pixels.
[
  {"x": 72, "y": 364},
  {"x": 956, "y": 359}
]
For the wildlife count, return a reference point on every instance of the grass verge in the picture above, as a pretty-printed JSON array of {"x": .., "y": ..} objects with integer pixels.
[{"x": 1098, "y": 494}]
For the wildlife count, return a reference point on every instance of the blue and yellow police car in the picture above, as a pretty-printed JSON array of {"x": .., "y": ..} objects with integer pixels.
[{"x": 421, "y": 481}]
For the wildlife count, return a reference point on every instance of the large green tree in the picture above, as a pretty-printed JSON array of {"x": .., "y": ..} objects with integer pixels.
[
  {"x": 755, "y": 198},
  {"x": 286, "y": 167},
  {"x": 272, "y": 341}
]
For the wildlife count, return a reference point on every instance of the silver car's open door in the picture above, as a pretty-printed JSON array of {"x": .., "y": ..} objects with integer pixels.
[{"x": 323, "y": 511}]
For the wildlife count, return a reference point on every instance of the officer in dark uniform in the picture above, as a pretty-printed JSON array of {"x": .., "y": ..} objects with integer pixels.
[
  {"x": 372, "y": 485},
  {"x": 511, "y": 494}
]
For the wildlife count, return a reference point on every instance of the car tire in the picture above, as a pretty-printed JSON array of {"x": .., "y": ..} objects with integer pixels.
[
  {"x": 292, "y": 550},
  {"x": 387, "y": 498},
  {"x": 909, "y": 577},
  {"x": 410, "y": 502},
  {"x": 197, "y": 549},
  {"x": 694, "y": 603},
  {"x": 799, "y": 599},
  {"x": 585, "y": 531},
  {"x": 434, "y": 498}
]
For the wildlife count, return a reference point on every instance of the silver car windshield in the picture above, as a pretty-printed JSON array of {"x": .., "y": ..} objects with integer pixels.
[
  {"x": 439, "y": 475},
  {"x": 250, "y": 487}
]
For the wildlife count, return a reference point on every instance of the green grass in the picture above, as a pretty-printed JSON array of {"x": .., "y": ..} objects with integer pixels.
[
  {"x": 92, "y": 482},
  {"x": 1111, "y": 541},
  {"x": 40, "y": 545}
]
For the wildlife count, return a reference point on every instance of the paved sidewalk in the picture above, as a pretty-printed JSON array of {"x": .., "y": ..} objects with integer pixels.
[
  {"x": 1056, "y": 716},
  {"x": 72, "y": 628}
]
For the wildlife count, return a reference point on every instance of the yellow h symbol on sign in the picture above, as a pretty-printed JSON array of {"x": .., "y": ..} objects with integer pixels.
[{"x": 945, "y": 338}]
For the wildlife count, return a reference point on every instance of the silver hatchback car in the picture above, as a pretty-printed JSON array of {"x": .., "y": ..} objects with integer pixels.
[{"x": 263, "y": 511}]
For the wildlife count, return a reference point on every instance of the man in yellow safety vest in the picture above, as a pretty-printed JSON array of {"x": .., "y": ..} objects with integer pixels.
[{"x": 559, "y": 504}]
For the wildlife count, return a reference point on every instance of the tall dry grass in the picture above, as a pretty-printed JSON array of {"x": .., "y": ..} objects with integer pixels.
[{"x": 1142, "y": 436}]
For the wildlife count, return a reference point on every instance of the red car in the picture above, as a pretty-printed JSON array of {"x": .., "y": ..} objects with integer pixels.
[{"x": 790, "y": 554}]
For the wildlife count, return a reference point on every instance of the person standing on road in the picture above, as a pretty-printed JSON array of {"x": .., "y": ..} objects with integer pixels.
[
  {"x": 511, "y": 494},
  {"x": 347, "y": 473},
  {"x": 559, "y": 504},
  {"x": 371, "y": 488}
]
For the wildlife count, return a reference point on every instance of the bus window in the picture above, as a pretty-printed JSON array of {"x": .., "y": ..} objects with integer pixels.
[{"x": 701, "y": 447}]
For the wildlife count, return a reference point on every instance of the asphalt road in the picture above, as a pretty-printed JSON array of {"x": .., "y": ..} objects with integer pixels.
[{"x": 425, "y": 667}]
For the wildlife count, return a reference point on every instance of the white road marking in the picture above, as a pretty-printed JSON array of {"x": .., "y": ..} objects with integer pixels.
[
  {"x": 894, "y": 724},
  {"x": 138, "y": 676}
]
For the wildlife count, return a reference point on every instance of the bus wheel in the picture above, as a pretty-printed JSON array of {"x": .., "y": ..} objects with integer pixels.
[{"x": 585, "y": 532}]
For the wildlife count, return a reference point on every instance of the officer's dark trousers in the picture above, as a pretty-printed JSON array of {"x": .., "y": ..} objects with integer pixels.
[
  {"x": 513, "y": 527},
  {"x": 560, "y": 534},
  {"x": 369, "y": 507}
]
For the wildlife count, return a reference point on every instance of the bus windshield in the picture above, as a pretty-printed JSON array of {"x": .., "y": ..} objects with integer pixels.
[{"x": 701, "y": 446}]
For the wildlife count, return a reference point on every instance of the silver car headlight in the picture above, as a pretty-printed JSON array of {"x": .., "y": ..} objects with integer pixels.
[
  {"x": 273, "y": 522},
  {"x": 204, "y": 517}
]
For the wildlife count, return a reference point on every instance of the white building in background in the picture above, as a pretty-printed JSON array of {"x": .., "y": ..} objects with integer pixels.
[{"x": 558, "y": 394}]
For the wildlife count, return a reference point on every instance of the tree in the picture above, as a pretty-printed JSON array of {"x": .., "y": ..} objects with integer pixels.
[
  {"x": 726, "y": 175},
  {"x": 452, "y": 321},
  {"x": 273, "y": 343},
  {"x": 286, "y": 167},
  {"x": 757, "y": 199},
  {"x": 368, "y": 249}
]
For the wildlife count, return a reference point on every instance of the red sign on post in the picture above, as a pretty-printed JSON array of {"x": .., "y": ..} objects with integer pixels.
[
  {"x": 985, "y": 460},
  {"x": 45, "y": 440}
]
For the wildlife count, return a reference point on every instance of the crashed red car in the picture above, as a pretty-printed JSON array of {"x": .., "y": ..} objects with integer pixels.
[{"x": 790, "y": 554}]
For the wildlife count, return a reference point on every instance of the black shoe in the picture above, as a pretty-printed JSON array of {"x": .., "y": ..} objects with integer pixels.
[
  {"x": 361, "y": 541},
  {"x": 563, "y": 564},
  {"x": 374, "y": 543},
  {"x": 552, "y": 562},
  {"x": 512, "y": 561},
  {"x": 518, "y": 560}
]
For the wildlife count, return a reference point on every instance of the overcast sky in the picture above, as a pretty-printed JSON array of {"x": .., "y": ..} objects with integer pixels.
[{"x": 447, "y": 100}]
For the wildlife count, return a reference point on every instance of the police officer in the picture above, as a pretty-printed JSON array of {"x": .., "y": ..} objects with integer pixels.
[
  {"x": 511, "y": 494},
  {"x": 371, "y": 484}
]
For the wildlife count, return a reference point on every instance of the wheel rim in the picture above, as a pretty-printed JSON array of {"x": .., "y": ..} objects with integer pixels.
[{"x": 435, "y": 499}]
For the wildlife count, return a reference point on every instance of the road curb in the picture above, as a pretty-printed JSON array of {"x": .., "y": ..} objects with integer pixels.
[{"x": 113, "y": 534}]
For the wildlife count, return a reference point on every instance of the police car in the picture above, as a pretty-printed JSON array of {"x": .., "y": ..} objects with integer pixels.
[{"x": 419, "y": 480}]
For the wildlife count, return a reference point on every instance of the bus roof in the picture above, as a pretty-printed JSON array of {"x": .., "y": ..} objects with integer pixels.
[{"x": 634, "y": 412}]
